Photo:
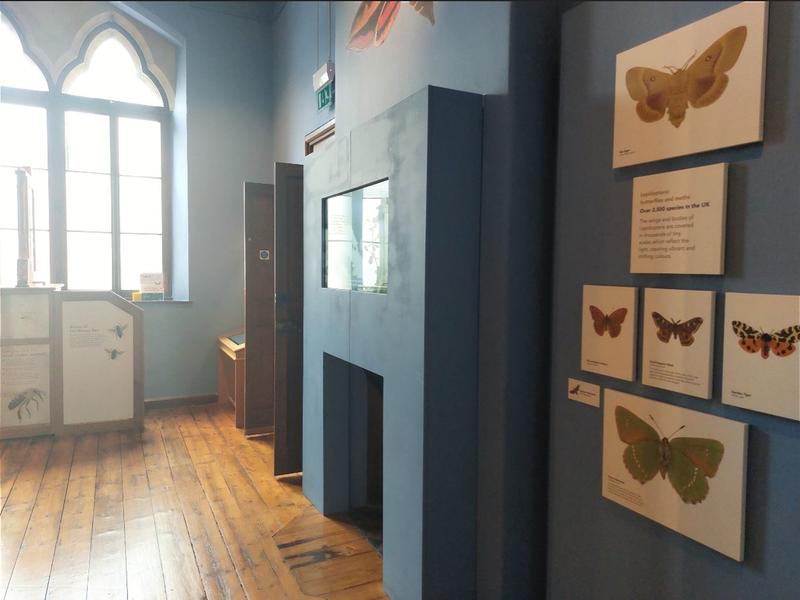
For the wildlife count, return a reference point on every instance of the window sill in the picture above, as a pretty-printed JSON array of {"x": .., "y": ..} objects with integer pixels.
[{"x": 146, "y": 302}]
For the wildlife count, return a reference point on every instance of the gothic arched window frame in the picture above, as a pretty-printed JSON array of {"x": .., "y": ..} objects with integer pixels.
[{"x": 122, "y": 116}]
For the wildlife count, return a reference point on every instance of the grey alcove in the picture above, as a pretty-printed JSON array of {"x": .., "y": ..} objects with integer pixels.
[{"x": 421, "y": 337}]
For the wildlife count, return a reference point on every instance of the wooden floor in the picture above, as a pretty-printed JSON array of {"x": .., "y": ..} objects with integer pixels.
[{"x": 186, "y": 509}]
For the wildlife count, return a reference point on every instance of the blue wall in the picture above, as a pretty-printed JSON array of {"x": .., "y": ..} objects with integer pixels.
[
  {"x": 467, "y": 50},
  {"x": 516, "y": 262},
  {"x": 301, "y": 42},
  {"x": 229, "y": 140},
  {"x": 598, "y": 549},
  {"x": 509, "y": 52}
]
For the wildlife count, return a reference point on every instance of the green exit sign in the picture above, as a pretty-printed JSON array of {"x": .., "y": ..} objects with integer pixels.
[{"x": 325, "y": 96}]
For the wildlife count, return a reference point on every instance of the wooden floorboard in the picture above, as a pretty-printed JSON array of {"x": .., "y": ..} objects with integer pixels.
[
  {"x": 11, "y": 461},
  {"x": 35, "y": 560},
  {"x": 18, "y": 507},
  {"x": 330, "y": 557},
  {"x": 145, "y": 578},
  {"x": 107, "y": 557},
  {"x": 69, "y": 574},
  {"x": 188, "y": 508},
  {"x": 181, "y": 574},
  {"x": 217, "y": 571}
]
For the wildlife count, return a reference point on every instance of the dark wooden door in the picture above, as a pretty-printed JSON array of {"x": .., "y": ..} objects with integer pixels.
[
  {"x": 288, "y": 318},
  {"x": 259, "y": 308}
]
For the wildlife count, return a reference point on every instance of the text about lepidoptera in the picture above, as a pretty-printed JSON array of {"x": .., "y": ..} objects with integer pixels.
[
  {"x": 666, "y": 222},
  {"x": 678, "y": 222},
  {"x": 677, "y": 225}
]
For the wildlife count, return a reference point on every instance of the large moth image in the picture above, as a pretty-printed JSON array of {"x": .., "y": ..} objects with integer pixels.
[
  {"x": 698, "y": 84},
  {"x": 374, "y": 20}
]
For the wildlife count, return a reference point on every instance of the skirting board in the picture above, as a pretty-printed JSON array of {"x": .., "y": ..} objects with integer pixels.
[
  {"x": 11, "y": 433},
  {"x": 177, "y": 401},
  {"x": 259, "y": 431},
  {"x": 99, "y": 427}
]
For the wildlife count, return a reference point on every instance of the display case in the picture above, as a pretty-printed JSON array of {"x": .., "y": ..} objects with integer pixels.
[
  {"x": 230, "y": 372},
  {"x": 355, "y": 228}
]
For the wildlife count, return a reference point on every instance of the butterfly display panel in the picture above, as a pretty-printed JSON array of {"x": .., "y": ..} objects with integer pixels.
[
  {"x": 608, "y": 331},
  {"x": 683, "y": 469},
  {"x": 678, "y": 341},
  {"x": 695, "y": 89},
  {"x": 761, "y": 364}
]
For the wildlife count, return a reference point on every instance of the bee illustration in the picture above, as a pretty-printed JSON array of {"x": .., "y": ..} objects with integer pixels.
[
  {"x": 119, "y": 330},
  {"x": 24, "y": 399},
  {"x": 114, "y": 353}
]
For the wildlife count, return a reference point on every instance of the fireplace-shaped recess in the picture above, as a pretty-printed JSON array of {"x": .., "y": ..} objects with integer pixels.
[
  {"x": 391, "y": 219},
  {"x": 357, "y": 396}
]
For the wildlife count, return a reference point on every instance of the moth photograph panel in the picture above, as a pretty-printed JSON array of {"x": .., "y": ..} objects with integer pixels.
[
  {"x": 608, "y": 331},
  {"x": 695, "y": 89},
  {"x": 761, "y": 364},
  {"x": 681, "y": 468},
  {"x": 678, "y": 341}
]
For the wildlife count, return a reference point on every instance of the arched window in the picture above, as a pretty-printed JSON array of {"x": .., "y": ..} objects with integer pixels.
[
  {"x": 23, "y": 144},
  {"x": 113, "y": 71},
  {"x": 17, "y": 69},
  {"x": 115, "y": 128},
  {"x": 106, "y": 128}
]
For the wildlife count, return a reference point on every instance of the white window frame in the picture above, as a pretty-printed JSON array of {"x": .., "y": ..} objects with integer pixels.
[{"x": 57, "y": 104}]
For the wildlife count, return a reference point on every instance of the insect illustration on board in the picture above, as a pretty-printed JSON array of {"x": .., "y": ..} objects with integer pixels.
[
  {"x": 119, "y": 330},
  {"x": 687, "y": 462},
  {"x": 782, "y": 343},
  {"x": 698, "y": 84},
  {"x": 374, "y": 20},
  {"x": 612, "y": 323},
  {"x": 113, "y": 353},
  {"x": 24, "y": 399},
  {"x": 679, "y": 330}
]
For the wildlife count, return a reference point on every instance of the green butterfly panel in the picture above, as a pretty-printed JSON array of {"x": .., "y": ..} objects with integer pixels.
[{"x": 687, "y": 462}]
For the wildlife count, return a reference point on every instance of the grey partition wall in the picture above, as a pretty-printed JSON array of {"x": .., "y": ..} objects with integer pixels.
[{"x": 421, "y": 337}]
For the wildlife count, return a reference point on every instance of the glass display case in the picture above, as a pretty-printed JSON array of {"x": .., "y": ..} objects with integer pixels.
[{"x": 356, "y": 239}]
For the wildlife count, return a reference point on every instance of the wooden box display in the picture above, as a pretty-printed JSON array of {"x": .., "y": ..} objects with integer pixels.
[{"x": 230, "y": 370}]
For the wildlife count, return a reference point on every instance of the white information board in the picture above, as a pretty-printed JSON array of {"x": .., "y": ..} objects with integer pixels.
[
  {"x": 678, "y": 221},
  {"x": 25, "y": 316},
  {"x": 25, "y": 385},
  {"x": 98, "y": 362}
]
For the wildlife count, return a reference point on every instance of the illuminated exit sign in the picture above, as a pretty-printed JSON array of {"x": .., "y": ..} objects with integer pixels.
[{"x": 325, "y": 96}]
